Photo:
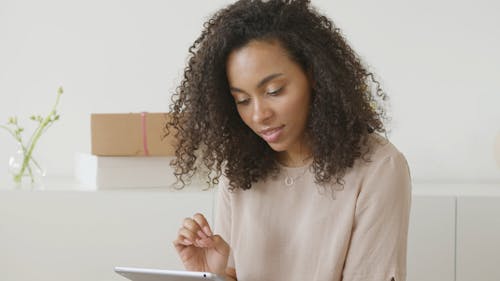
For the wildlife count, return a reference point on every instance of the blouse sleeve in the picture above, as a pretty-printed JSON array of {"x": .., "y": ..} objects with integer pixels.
[
  {"x": 222, "y": 219},
  {"x": 377, "y": 248}
]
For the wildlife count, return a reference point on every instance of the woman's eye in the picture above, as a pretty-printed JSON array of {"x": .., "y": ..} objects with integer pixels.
[
  {"x": 245, "y": 101},
  {"x": 274, "y": 92}
]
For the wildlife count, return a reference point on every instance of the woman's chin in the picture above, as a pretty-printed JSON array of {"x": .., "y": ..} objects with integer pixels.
[{"x": 278, "y": 147}]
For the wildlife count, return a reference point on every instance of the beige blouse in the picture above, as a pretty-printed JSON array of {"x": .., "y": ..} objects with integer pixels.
[{"x": 309, "y": 232}]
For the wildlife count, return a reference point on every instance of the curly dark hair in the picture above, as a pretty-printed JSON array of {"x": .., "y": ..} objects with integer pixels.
[{"x": 347, "y": 102}]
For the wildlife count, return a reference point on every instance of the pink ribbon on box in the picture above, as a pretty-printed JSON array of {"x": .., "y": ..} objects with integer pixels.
[{"x": 144, "y": 134}]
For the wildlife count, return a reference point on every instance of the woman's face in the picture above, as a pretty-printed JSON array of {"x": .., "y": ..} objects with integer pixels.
[{"x": 272, "y": 94}]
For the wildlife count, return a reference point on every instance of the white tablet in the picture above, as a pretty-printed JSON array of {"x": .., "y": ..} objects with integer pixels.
[{"x": 147, "y": 274}]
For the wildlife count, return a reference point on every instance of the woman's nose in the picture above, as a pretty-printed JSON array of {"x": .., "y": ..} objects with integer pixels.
[{"x": 261, "y": 112}]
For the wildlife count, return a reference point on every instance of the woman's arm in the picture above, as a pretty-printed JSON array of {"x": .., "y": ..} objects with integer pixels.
[{"x": 378, "y": 243}]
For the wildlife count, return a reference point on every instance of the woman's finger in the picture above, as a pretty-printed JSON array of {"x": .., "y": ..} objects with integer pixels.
[
  {"x": 182, "y": 242},
  {"x": 186, "y": 234},
  {"x": 205, "y": 243},
  {"x": 191, "y": 224},
  {"x": 203, "y": 223}
]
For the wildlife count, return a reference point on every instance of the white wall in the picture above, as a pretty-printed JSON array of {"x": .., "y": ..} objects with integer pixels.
[{"x": 437, "y": 60}]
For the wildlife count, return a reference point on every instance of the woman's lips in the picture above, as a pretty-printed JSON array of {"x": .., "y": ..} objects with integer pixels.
[{"x": 272, "y": 135}]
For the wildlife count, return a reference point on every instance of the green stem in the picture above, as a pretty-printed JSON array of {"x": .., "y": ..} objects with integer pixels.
[
  {"x": 36, "y": 136},
  {"x": 46, "y": 128},
  {"x": 36, "y": 163},
  {"x": 31, "y": 174},
  {"x": 33, "y": 135}
]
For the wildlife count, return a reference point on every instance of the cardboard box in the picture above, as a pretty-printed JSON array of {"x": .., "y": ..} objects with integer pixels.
[{"x": 131, "y": 134}]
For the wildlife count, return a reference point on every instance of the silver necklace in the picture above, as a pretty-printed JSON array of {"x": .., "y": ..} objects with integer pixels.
[{"x": 289, "y": 180}]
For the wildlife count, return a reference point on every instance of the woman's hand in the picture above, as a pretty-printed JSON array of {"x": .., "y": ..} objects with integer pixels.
[{"x": 199, "y": 249}]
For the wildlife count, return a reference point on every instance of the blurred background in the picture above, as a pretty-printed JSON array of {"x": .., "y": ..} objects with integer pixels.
[{"x": 437, "y": 60}]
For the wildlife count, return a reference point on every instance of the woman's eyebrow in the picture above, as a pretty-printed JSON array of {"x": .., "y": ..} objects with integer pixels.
[
  {"x": 267, "y": 79},
  {"x": 261, "y": 83}
]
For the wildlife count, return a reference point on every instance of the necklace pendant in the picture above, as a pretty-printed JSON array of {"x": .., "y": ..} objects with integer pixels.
[{"x": 289, "y": 181}]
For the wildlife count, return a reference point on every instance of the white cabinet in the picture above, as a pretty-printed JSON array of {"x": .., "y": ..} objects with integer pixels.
[
  {"x": 454, "y": 232},
  {"x": 81, "y": 236},
  {"x": 470, "y": 237},
  {"x": 478, "y": 238},
  {"x": 431, "y": 239}
]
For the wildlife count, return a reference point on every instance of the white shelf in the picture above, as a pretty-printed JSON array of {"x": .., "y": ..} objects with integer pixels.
[
  {"x": 102, "y": 228},
  {"x": 420, "y": 189},
  {"x": 70, "y": 184},
  {"x": 456, "y": 189}
]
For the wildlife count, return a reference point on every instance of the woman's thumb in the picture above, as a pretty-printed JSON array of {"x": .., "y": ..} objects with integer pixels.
[{"x": 220, "y": 245}]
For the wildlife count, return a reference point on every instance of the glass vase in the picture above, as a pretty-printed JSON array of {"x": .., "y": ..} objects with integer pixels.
[{"x": 26, "y": 172}]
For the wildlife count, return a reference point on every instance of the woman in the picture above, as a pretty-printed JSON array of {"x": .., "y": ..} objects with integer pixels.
[{"x": 282, "y": 111}]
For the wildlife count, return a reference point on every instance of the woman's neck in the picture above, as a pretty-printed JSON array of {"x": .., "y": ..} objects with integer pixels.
[
  {"x": 297, "y": 155},
  {"x": 294, "y": 160}
]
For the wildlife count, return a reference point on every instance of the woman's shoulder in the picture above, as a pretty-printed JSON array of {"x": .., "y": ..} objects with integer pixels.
[
  {"x": 379, "y": 153},
  {"x": 385, "y": 162},
  {"x": 385, "y": 174},
  {"x": 380, "y": 148}
]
